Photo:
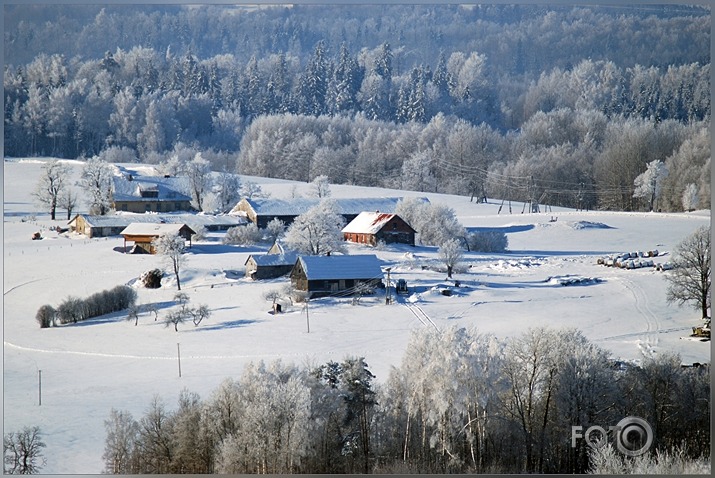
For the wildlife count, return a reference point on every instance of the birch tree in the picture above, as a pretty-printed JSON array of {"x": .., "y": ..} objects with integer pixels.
[
  {"x": 648, "y": 184},
  {"x": 171, "y": 248}
]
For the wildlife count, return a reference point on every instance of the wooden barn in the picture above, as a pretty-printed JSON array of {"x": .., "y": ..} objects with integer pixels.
[
  {"x": 143, "y": 234},
  {"x": 372, "y": 227},
  {"x": 269, "y": 266},
  {"x": 150, "y": 194},
  {"x": 335, "y": 274}
]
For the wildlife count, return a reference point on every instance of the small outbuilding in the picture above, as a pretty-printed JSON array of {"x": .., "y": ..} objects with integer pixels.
[
  {"x": 373, "y": 227},
  {"x": 335, "y": 274},
  {"x": 269, "y": 266},
  {"x": 143, "y": 234}
]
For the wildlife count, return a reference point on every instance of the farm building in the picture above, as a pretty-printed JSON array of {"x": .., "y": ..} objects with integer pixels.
[
  {"x": 114, "y": 224},
  {"x": 149, "y": 194},
  {"x": 334, "y": 274},
  {"x": 143, "y": 234},
  {"x": 371, "y": 227},
  {"x": 269, "y": 266},
  {"x": 262, "y": 211}
]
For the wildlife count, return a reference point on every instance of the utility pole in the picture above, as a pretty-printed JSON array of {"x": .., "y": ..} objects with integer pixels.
[
  {"x": 307, "y": 319},
  {"x": 178, "y": 356},
  {"x": 39, "y": 387},
  {"x": 387, "y": 289}
]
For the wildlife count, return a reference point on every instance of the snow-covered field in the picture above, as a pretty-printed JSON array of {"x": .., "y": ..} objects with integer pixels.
[{"x": 91, "y": 367}]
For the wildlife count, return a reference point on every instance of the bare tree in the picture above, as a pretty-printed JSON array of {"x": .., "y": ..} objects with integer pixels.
[
  {"x": 200, "y": 313},
  {"x": 451, "y": 254},
  {"x": 171, "y": 248},
  {"x": 133, "y": 314},
  {"x": 690, "y": 278},
  {"x": 22, "y": 452},
  {"x": 51, "y": 185},
  {"x": 68, "y": 200}
]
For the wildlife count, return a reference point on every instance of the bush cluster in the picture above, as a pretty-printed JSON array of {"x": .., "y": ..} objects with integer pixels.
[
  {"x": 74, "y": 309},
  {"x": 243, "y": 235},
  {"x": 487, "y": 241}
]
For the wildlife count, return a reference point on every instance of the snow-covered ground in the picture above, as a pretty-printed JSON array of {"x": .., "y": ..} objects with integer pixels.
[{"x": 91, "y": 367}]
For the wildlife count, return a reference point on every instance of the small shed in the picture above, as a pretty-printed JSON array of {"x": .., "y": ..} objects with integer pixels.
[
  {"x": 269, "y": 266},
  {"x": 143, "y": 234},
  {"x": 335, "y": 274},
  {"x": 371, "y": 227}
]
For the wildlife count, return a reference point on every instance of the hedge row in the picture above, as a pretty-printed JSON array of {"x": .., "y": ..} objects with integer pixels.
[{"x": 74, "y": 309}]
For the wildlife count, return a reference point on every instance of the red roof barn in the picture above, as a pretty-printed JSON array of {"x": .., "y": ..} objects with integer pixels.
[{"x": 372, "y": 227}]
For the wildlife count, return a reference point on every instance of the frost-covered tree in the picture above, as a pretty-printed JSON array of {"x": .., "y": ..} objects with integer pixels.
[
  {"x": 435, "y": 223},
  {"x": 243, "y": 235},
  {"x": 171, "y": 248},
  {"x": 317, "y": 231},
  {"x": 451, "y": 254},
  {"x": 690, "y": 197},
  {"x": 274, "y": 230},
  {"x": 689, "y": 280},
  {"x": 120, "y": 444},
  {"x": 250, "y": 190},
  {"x": 417, "y": 174},
  {"x": 227, "y": 189},
  {"x": 320, "y": 186},
  {"x": 52, "y": 183},
  {"x": 273, "y": 422},
  {"x": 96, "y": 181},
  {"x": 198, "y": 171},
  {"x": 648, "y": 184}
]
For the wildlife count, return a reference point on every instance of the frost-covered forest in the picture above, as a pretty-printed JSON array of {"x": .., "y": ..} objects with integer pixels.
[
  {"x": 565, "y": 105},
  {"x": 459, "y": 402}
]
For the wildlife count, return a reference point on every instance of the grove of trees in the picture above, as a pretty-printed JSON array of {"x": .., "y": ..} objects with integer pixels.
[
  {"x": 459, "y": 402},
  {"x": 454, "y": 99}
]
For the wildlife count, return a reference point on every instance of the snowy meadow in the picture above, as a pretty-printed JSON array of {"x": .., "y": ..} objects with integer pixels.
[{"x": 549, "y": 276}]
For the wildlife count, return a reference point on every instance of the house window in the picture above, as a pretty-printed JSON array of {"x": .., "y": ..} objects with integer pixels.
[
  {"x": 124, "y": 207},
  {"x": 148, "y": 206}
]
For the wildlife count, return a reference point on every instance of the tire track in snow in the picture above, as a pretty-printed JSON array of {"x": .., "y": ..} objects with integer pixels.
[
  {"x": 421, "y": 315},
  {"x": 650, "y": 338}
]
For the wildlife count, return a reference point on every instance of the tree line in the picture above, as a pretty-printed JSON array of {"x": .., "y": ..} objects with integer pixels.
[
  {"x": 460, "y": 401},
  {"x": 372, "y": 99}
]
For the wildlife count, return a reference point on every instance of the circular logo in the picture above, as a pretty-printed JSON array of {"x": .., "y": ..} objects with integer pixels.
[{"x": 635, "y": 436}]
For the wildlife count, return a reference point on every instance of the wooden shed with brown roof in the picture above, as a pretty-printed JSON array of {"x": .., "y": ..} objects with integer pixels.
[
  {"x": 144, "y": 234},
  {"x": 373, "y": 227}
]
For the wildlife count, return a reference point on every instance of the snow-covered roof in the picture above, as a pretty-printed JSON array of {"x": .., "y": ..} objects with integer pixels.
[
  {"x": 267, "y": 260},
  {"x": 167, "y": 189},
  {"x": 124, "y": 219},
  {"x": 368, "y": 222},
  {"x": 362, "y": 266},
  {"x": 144, "y": 229},
  {"x": 345, "y": 206}
]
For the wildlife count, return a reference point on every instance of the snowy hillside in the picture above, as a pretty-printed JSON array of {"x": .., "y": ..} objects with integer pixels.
[{"x": 549, "y": 276}]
